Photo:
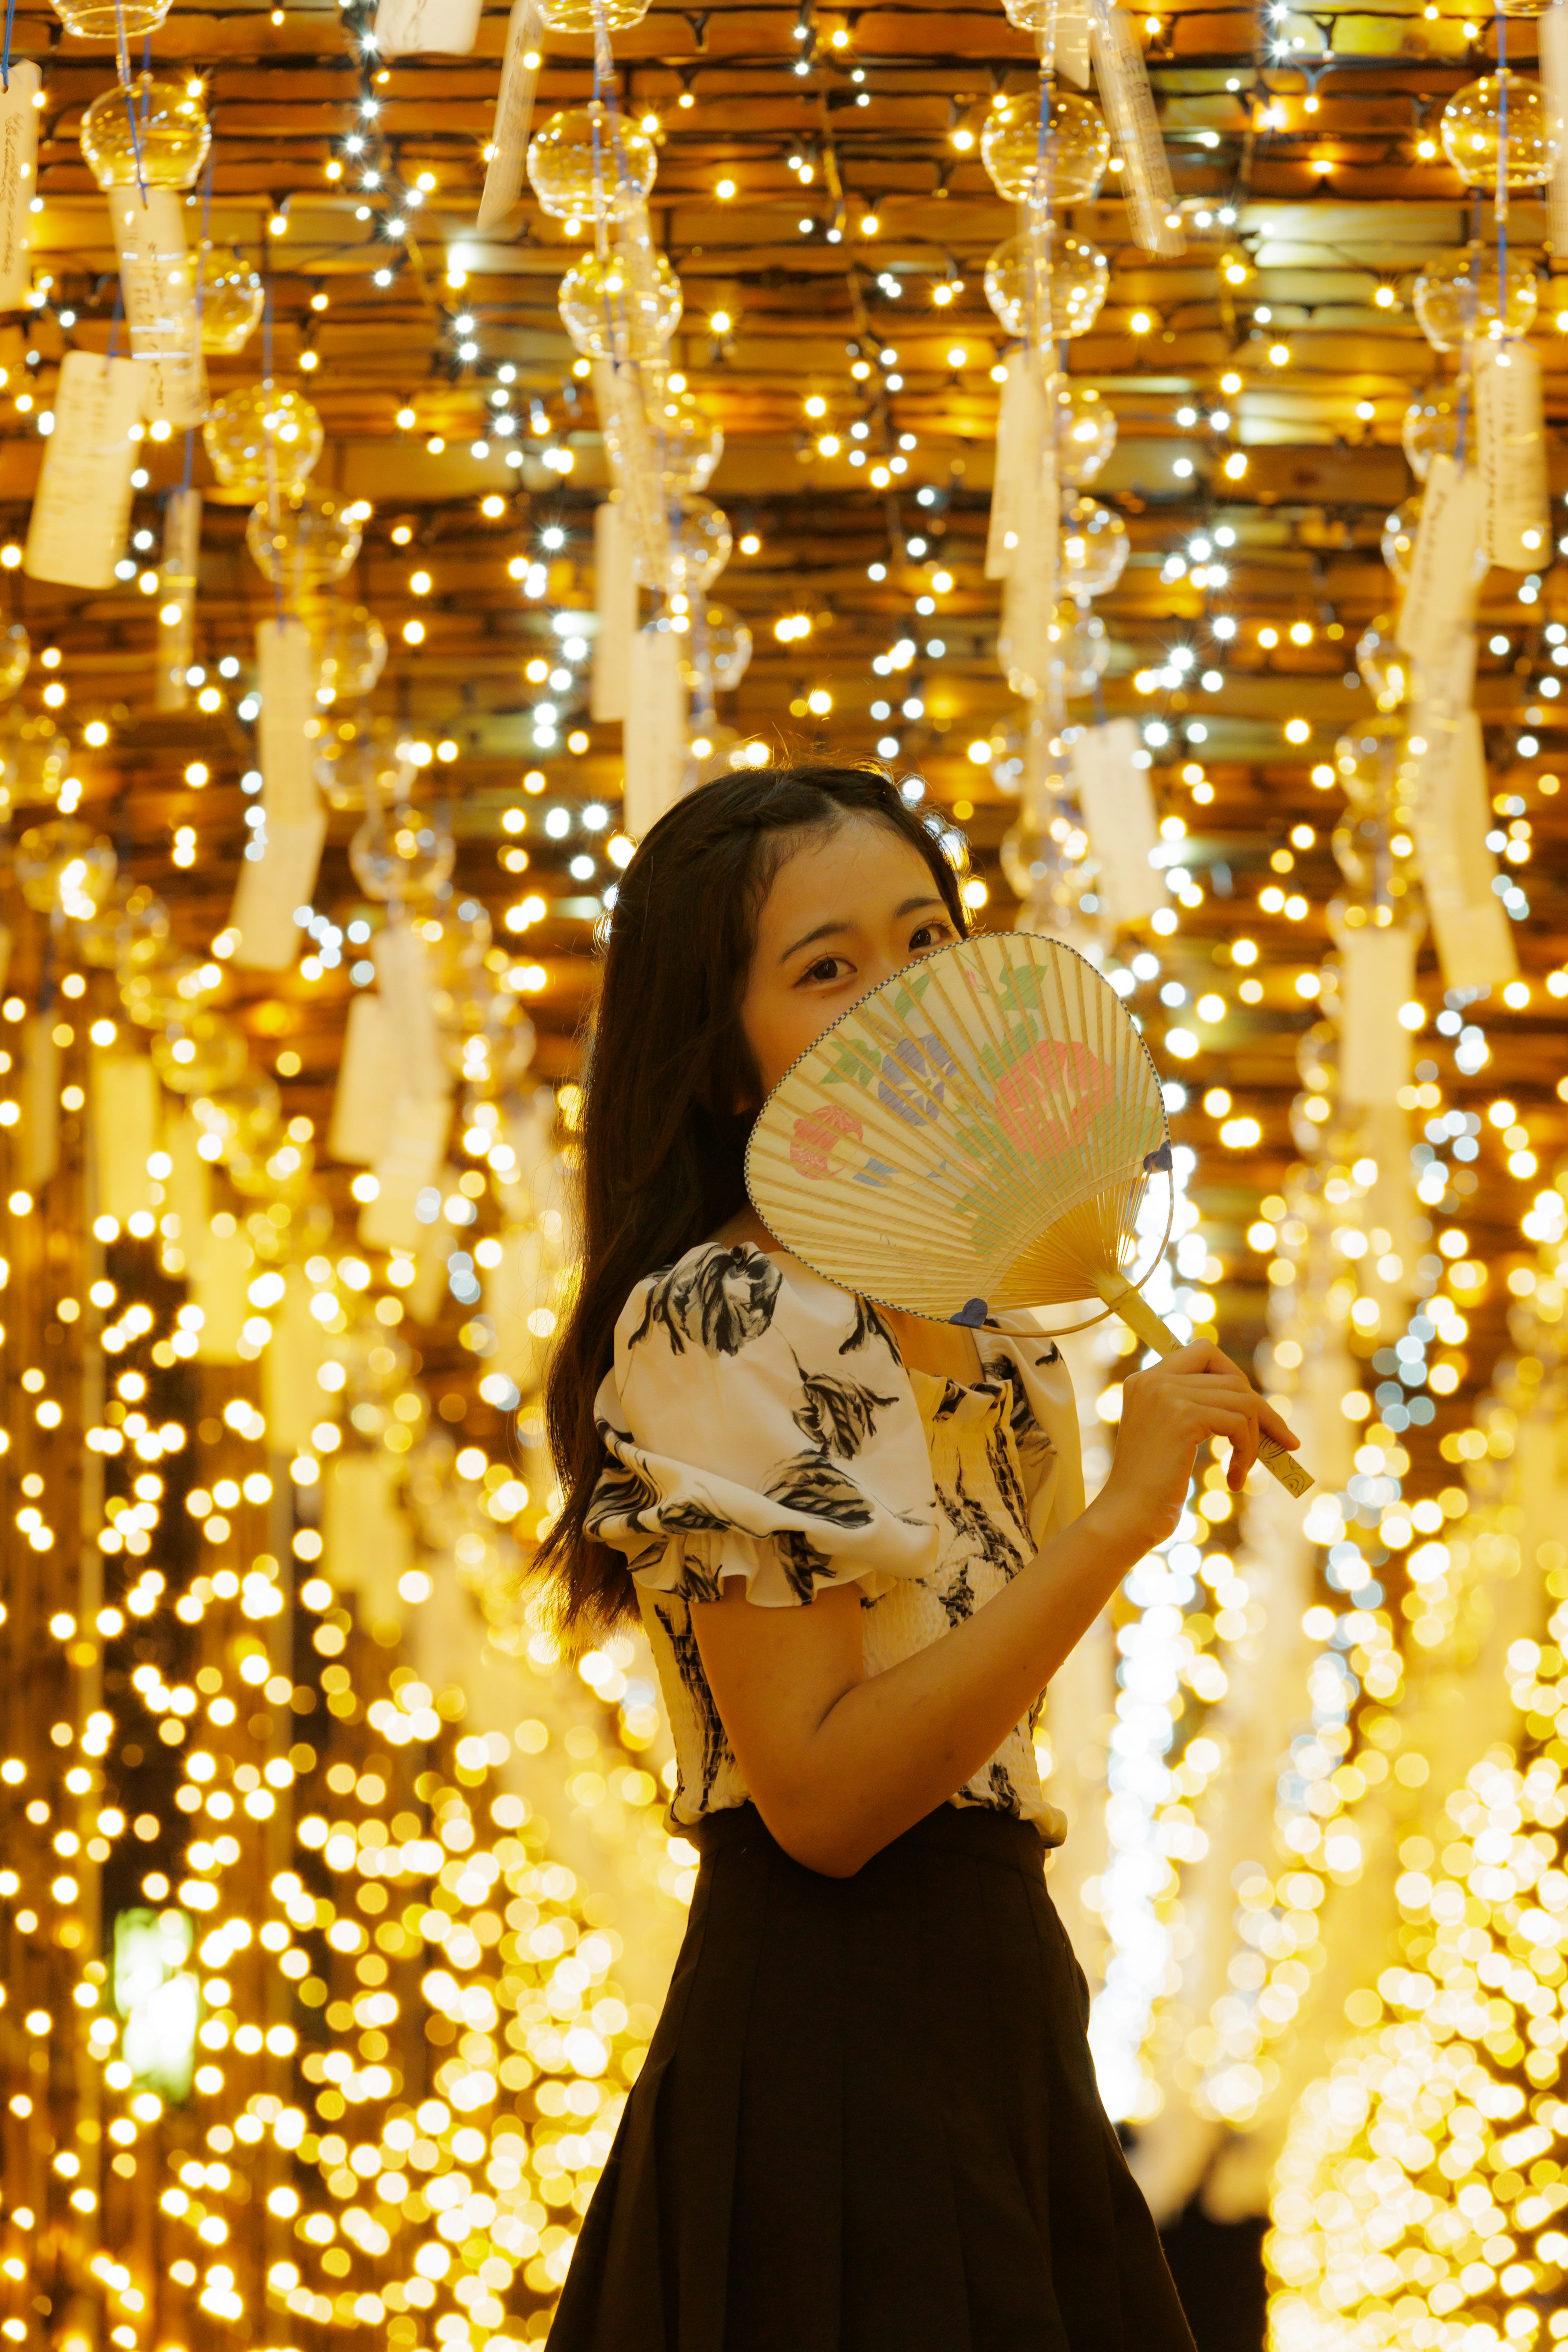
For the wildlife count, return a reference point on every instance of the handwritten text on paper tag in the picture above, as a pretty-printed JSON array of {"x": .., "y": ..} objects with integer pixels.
[
  {"x": 18, "y": 181},
  {"x": 83, "y": 503}
]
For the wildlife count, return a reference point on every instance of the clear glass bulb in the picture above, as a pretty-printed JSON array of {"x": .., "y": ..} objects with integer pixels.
[
  {"x": 578, "y": 154},
  {"x": 1065, "y": 168}
]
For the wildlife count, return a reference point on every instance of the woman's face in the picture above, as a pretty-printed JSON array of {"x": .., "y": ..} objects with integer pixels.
[{"x": 847, "y": 908}]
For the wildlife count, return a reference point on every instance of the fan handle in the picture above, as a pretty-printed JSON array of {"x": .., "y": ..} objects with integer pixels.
[{"x": 1138, "y": 1314}]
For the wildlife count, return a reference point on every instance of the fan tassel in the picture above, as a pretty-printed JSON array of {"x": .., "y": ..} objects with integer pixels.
[{"x": 1138, "y": 1317}]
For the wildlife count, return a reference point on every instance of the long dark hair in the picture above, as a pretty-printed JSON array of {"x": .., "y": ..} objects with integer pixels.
[{"x": 665, "y": 1061}]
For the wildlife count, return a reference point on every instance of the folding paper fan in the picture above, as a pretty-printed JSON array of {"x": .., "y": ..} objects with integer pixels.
[{"x": 976, "y": 1135}]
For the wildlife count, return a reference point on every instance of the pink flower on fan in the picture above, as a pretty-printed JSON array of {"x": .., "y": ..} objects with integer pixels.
[
  {"x": 820, "y": 1137},
  {"x": 1043, "y": 1101}
]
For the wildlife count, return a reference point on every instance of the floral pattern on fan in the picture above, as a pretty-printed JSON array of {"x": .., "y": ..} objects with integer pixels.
[{"x": 984, "y": 1093}]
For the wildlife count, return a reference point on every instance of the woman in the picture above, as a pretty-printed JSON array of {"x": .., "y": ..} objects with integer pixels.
[{"x": 867, "y": 2121}]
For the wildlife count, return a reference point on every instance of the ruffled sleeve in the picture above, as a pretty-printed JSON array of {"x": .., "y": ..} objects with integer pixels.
[{"x": 758, "y": 1423}]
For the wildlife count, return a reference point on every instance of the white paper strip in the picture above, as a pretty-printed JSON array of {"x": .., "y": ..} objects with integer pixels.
[
  {"x": 188, "y": 1190},
  {"x": 124, "y": 1131},
  {"x": 177, "y": 598},
  {"x": 1020, "y": 437},
  {"x": 40, "y": 1135},
  {"x": 219, "y": 1289},
  {"x": 620, "y": 394},
  {"x": 158, "y": 288},
  {"x": 1511, "y": 437},
  {"x": 291, "y": 1393},
  {"x": 1064, "y": 43},
  {"x": 271, "y": 889},
  {"x": 1446, "y": 787},
  {"x": 520, "y": 61},
  {"x": 369, "y": 1078},
  {"x": 1440, "y": 594},
  {"x": 82, "y": 502},
  {"x": 1129, "y": 105},
  {"x": 1552, "y": 37},
  {"x": 1118, "y": 805},
  {"x": 367, "y": 1536},
  {"x": 409, "y": 1165},
  {"x": 616, "y": 594},
  {"x": 653, "y": 734},
  {"x": 1377, "y": 975},
  {"x": 18, "y": 181},
  {"x": 406, "y": 29},
  {"x": 286, "y": 665},
  {"x": 402, "y": 976}
]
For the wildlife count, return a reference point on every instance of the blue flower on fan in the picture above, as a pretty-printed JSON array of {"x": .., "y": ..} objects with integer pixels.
[{"x": 912, "y": 1081}]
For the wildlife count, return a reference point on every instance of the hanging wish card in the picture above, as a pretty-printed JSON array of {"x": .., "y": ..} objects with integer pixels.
[
  {"x": 1510, "y": 440},
  {"x": 158, "y": 288},
  {"x": 1440, "y": 594},
  {"x": 1552, "y": 37},
  {"x": 1118, "y": 806},
  {"x": 621, "y": 395},
  {"x": 615, "y": 595},
  {"x": 1446, "y": 789},
  {"x": 402, "y": 976},
  {"x": 83, "y": 503},
  {"x": 369, "y": 1078},
  {"x": 1063, "y": 42},
  {"x": 277, "y": 877},
  {"x": 406, "y": 28},
  {"x": 654, "y": 732},
  {"x": 1130, "y": 104},
  {"x": 286, "y": 668},
  {"x": 177, "y": 598},
  {"x": 18, "y": 183},
  {"x": 1020, "y": 438},
  {"x": 1377, "y": 965},
  {"x": 520, "y": 61}
]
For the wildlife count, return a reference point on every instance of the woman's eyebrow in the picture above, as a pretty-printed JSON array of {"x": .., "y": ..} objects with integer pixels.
[{"x": 827, "y": 930}]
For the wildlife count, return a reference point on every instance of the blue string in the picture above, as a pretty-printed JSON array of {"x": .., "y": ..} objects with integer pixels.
[
  {"x": 1501, "y": 194},
  {"x": 5, "y": 55}
]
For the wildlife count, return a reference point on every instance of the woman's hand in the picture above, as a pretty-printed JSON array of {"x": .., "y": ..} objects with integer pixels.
[{"x": 1167, "y": 1412}]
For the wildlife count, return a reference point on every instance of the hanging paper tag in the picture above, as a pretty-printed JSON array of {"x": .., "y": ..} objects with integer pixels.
[
  {"x": 653, "y": 735},
  {"x": 82, "y": 502},
  {"x": 408, "y": 1166},
  {"x": 367, "y": 1536},
  {"x": 1020, "y": 437},
  {"x": 291, "y": 1393},
  {"x": 520, "y": 62},
  {"x": 41, "y": 1121},
  {"x": 177, "y": 598},
  {"x": 220, "y": 1291},
  {"x": 1063, "y": 42},
  {"x": 1552, "y": 38},
  {"x": 1118, "y": 806},
  {"x": 1130, "y": 103},
  {"x": 616, "y": 594},
  {"x": 402, "y": 976},
  {"x": 271, "y": 889},
  {"x": 158, "y": 288},
  {"x": 1510, "y": 438},
  {"x": 124, "y": 1131},
  {"x": 369, "y": 1078},
  {"x": 1377, "y": 964},
  {"x": 18, "y": 181},
  {"x": 1446, "y": 685},
  {"x": 406, "y": 28},
  {"x": 1440, "y": 594},
  {"x": 187, "y": 1191},
  {"x": 1451, "y": 818},
  {"x": 633, "y": 463},
  {"x": 285, "y": 666}
]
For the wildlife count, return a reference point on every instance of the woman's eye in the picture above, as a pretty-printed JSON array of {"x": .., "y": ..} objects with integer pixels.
[
  {"x": 826, "y": 969},
  {"x": 933, "y": 934}
]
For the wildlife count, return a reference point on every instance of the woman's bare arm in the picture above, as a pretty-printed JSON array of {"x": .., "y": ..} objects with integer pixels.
[{"x": 840, "y": 1763}]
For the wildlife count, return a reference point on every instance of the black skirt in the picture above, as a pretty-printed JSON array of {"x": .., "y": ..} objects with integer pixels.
[{"x": 868, "y": 2122}]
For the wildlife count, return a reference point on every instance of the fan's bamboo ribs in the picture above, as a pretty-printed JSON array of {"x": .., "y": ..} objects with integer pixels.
[{"x": 1140, "y": 1317}]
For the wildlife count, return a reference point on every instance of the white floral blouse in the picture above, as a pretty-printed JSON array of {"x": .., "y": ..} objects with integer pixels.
[{"x": 759, "y": 1423}]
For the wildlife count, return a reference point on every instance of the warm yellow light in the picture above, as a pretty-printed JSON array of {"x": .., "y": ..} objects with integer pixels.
[
  {"x": 1235, "y": 465},
  {"x": 724, "y": 190},
  {"x": 1140, "y": 323}
]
